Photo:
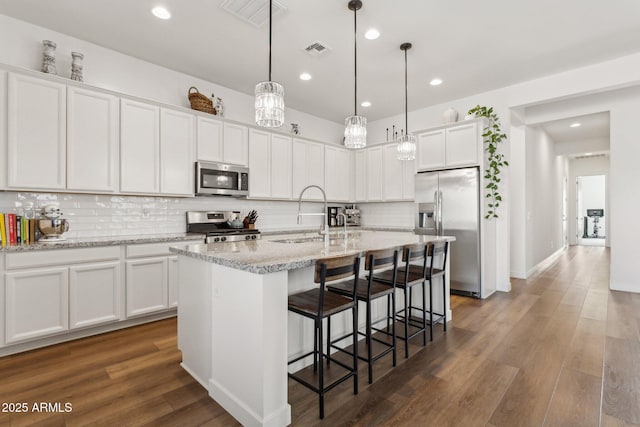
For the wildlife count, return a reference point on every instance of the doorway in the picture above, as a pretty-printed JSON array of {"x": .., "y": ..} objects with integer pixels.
[{"x": 590, "y": 210}]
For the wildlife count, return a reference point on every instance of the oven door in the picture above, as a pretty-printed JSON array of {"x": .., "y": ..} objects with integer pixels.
[{"x": 221, "y": 179}]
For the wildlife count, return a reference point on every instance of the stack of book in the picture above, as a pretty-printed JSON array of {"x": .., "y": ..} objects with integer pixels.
[{"x": 17, "y": 229}]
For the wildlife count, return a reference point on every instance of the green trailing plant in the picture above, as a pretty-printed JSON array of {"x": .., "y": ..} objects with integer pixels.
[{"x": 492, "y": 136}]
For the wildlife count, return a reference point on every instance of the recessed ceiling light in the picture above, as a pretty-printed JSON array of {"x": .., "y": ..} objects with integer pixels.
[
  {"x": 366, "y": 104},
  {"x": 305, "y": 76},
  {"x": 435, "y": 82},
  {"x": 161, "y": 12},
  {"x": 372, "y": 34},
  {"x": 575, "y": 125}
]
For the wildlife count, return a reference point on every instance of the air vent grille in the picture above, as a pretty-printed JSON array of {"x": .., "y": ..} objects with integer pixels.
[
  {"x": 316, "y": 49},
  {"x": 255, "y": 12}
]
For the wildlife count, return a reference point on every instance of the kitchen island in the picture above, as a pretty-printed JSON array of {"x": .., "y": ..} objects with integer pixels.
[{"x": 233, "y": 327}]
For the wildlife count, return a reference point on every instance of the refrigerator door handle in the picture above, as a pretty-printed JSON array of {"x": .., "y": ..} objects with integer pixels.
[{"x": 441, "y": 231}]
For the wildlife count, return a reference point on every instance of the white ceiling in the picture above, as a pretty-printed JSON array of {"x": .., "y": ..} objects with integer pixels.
[
  {"x": 592, "y": 126},
  {"x": 473, "y": 46}
]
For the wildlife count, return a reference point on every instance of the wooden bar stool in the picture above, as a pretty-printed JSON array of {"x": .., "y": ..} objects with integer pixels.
[
  {"x": 406, "y": 278},
  {"x": 369, "y": 290},
  {"x": 318, "y": 304}
]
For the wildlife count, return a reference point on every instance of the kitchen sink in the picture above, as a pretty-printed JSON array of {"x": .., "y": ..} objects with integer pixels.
[{"x": 301, "y": 240}]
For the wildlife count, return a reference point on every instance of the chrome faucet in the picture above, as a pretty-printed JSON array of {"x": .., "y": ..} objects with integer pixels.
[
  {"x": 344, "y": 223},
  {"x": 326, "y": 217}
]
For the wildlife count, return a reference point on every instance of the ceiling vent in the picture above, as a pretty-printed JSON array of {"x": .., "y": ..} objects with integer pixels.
[
  {"x": 316, "y": 49},
  {"x": 255, "y": 12},
  {"x": 590, "y": 156}
]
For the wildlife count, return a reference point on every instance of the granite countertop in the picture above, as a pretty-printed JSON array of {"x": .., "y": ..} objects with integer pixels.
[
  {"x": 334, "y": 229},
  {"x": 89, "y": 242},
  {"x": 271, "y": 255}
]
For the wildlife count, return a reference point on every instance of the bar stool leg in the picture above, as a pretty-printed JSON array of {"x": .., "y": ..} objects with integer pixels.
[
  {"x": 406, "y": 323},
  {"x": 315, "y": 347},
  {"x": 393, "y": 328},
  {"x": 321, "y": 370},
  {"x": 355, "y": 348},
  {"x": 424, "y": 304},
  {"x": 444, "y": 301},
  {"x": 369, "y": 342},
  {"x": 329, "y": 340}
]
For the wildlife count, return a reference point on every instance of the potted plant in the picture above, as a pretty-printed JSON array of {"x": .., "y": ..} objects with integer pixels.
[{"x": 492, "y": 135}]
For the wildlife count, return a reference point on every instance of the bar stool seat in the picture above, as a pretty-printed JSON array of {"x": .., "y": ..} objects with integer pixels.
[
  {"x": 377, "y": 289},
  {"x": 319, "y": 304}
]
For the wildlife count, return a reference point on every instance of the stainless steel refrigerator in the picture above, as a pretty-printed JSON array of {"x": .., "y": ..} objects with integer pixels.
[{"x": 448, "y": 204}]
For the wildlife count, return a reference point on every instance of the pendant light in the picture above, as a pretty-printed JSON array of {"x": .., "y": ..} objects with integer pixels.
[
  {"x": 269, "y": 102},
  {"x": 355, "y": 131},
  {"x": 407, "y": 142}
]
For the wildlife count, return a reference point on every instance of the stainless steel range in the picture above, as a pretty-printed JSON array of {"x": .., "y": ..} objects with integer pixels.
[{"x": 220, "y": 226}]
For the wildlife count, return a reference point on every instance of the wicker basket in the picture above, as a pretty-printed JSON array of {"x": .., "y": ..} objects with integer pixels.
[{"x": 200, "y": 102}]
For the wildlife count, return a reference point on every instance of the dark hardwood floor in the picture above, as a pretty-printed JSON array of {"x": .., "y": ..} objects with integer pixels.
[{"x": 561, "y": 349}]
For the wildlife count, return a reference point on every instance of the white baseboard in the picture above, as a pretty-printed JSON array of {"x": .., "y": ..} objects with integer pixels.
[{"x": 545, "y": 262}]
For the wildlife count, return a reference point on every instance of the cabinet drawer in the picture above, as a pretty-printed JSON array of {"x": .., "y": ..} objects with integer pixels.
[
  {"x": 60, "y": 256},
  {"x": 154, "y": 249}
]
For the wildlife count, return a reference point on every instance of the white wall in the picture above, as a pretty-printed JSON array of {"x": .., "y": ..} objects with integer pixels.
[
  {"x": 544, "y": 175},
  {"x": 587, "y": 167},
  {"x": 21, "y": 46}
]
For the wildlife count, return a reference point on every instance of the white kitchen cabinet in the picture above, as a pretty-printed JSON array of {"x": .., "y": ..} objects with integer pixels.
[
  {"x": 235, "y": 139},
  {"x": 37, "y": 133},
  {"x": 173, "y": 280},
  {"x": 430, "y": 151},
  {"x": 3, "y": 138},
  {"x": 462, "y": 145},
  {"x": 360, "y": 175},
  {"x": 269, "y": 165},
  {"x": 95, "y": 294},
  {"x": 409, "y": 180},
  {"x": 452, "y": 146},
  {"x": 308, "y": 168},
  {"x": 147, "y": 286},
  {"x": 37, "y": 303},
  {"x": 374, "y": 173},
  {"x": 259, "y": 163},
  {"x": 337, "y": 172},
  {"x": 392, "y": 185},
  {"x": 92, "y": 141},
  {"x": 210, "y": 139},
  {"x": 139, "y": 147},
  {"x": 177, "y": 143},
  {"x": 281, "y": 166}
]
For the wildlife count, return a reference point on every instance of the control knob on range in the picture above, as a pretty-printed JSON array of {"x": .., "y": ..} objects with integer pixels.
[
  {"x": 223, "y": 239},
  {"x": 253, "y": 237},
  {"x": 216, "y": 239},
  {"x": 247, "y": 237}
]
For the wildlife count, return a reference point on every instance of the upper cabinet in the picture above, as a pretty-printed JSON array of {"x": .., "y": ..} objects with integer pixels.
[
  {"x": 222, "y": 142},
  {"x": 360, "y": 176},
  {"x": 337, "y": 173},
  {"x": 37, "y": 133},
  {"x": 177, "y": 143},
  {"x": 453, "y": 146},
  {"x": 270, "y": 165},
  {"x": 374, "y": 174},
  {"x": 139, "y": 147},
  {"x": 92, "y": 141},
  {"x": 308, "y": 168},
  {"x": 235, "y": 144}
]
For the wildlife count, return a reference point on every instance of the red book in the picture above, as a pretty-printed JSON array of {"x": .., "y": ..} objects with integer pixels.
[{"x": 12, "y": 228}]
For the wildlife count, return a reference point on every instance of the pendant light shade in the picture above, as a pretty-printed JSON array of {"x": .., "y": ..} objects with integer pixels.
[
  {"x": 269, "y": 101},
  {"x": 407, "y": 143},
  {"x": 355, "y": 131}
]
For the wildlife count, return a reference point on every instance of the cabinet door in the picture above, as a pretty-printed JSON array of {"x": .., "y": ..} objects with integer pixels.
[
  {"x": 147, "y": 286},
  {"x": 173, "y": 281},
  {"x": 92, "y": 141},
  {"x": 37, "y": 303},
  {"x": 462, "y": 145},
  {"x": 176, "y": 152},
  {"x": 37, "y": 137},
  {"x": 374, "y": 174},
  {"x": 94, "y": 294},
  {"x": 393, "y": 173},
  {"x": 315, "y": 169},
  {"x": 431, "y": 150},
  {"x": 3, "y": 137},
  {"x": 210, "y": 137},
  {"x": 281, "y": 167},
  {"x": 235, "y": 144},
  {"x": 360, "y": 182},
  {"x": 409, "y": 178},
  {"x": 259, "y": 163},
  {"x": 139, "y": 147},
  {"x": 337, "y": 174}
]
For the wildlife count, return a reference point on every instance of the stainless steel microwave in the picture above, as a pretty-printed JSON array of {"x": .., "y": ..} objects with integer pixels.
[{"x": 219, "y": 179}]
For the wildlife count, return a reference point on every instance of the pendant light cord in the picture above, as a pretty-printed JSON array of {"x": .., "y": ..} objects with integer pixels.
[
  {"x": 355, "y": 63},
  {"x": 270, "y": 31},
  {"x": 406, "y": 96}
]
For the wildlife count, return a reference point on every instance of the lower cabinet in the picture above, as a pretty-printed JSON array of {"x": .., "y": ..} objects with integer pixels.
[
  {"x": 147, "y": 286},
  {"x": 94, "y": 294}
]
